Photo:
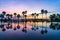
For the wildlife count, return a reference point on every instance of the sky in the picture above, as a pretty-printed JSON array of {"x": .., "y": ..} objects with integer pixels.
[{"x": 32, "y": 6}]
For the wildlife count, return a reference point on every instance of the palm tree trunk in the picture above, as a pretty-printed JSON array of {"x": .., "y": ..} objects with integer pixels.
[{"x": 42, "y": 17}]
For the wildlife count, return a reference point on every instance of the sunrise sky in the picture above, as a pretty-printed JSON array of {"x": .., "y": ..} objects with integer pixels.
[{"x": 11, "y": 6}]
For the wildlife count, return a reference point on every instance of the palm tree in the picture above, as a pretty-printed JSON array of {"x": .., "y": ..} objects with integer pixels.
[
  {"x": 3, "y": 13},
  {"x": 8, "y": 15},
  {"x": 25, "y": 17},
  {"x": 18, "y": 16},
  {"x": 46, "y": 13},
  {"x": 11, "y": 17},
  {"x": 37, "y": 15},
  {"x": 42, "y": 12},
  {"x": 24, "y": 12},
  {"x": 32, "y": 14},
  {"x": 15, "y": 14}
]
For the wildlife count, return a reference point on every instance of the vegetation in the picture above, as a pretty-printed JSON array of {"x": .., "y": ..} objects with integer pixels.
[{"x": 16, "y": 17}]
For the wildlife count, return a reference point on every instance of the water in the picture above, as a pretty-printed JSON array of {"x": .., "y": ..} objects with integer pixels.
[{"x": 30, "y": 31}]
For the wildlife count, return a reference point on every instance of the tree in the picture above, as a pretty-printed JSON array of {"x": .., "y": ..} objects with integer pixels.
[
  {"x": 3, "y": 12},
  {"x": 32, "y": 14},
  {"x": 24, "y": 13},
  {"x": 18, "y": 16},
  {"x": 46, "y": 13},
  {"x": 53, "y": 17},
  {"x": 37, "y": 15},
  {"x": 15, "y": 14},
  {"x": 42, "y": 12},
  {"x": 8, "y": 15}
]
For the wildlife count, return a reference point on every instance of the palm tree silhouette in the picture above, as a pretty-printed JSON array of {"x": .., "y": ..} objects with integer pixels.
[
  {"x": 3, "y": 13},
  {"x": 8, "y": 15},
  {"x": 42, "y": 12},
  {"x": 37, "y": 15},
  {"x": 46, "y": 14},
  {"x": 24, "y": 12},
  {"x": 11, "y": 16},
  {"x": 25, "y": 17},
  {"x": 15, "y": 14},
  {"x": 32, "y": 14},
  {"x": 18, "y": 16}
]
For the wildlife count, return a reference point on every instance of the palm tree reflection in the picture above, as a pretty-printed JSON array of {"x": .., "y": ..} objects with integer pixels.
[
  {"x": 24, "y": 28},
  {"x": 18, "y": 26},
  {"x": 35, "y": 27},
  {"x": 44, "y": 29}
]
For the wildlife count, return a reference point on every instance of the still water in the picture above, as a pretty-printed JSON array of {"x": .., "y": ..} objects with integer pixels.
[{"x": 30, "y": 31}]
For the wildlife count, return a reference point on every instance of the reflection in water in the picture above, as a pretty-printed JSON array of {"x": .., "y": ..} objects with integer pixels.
[
  {"x": 35, "y": 26},
  {"x": 55, "y": 26},
  {"x": 26, "y": 27}
]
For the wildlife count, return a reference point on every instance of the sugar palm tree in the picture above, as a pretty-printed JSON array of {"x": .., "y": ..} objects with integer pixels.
[
  {"x": 15, "y": 15},
  {"x": 46, "y": 13},
  {"x": 42, "y": 12},
  {"x": 18, "y": 16},
  {"x": 11, "y": 17},
  {"x": 3, "y": 13},
  {"x": 25, "y": 16},
  {"x": 8, "y": 15},
  {"x": 24, "y": 12},
  {"x": 37, "y": 15},
  {"x": 32, "y": 14}
]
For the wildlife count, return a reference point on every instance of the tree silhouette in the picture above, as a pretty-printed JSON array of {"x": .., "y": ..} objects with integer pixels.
[
  {"x": 3, "y": 13},
  {"x": 25, "y": 17},
  {"x": 37, "y": 15},
  {"x": 32, "y": 14},
  {"x": 24, "y": 14},
  {"x": 18, "y": 16},
  {"x": 42, "y": 12},
  {"x": 15, "y": 14},
  {"x": 46, "y": 14}
]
